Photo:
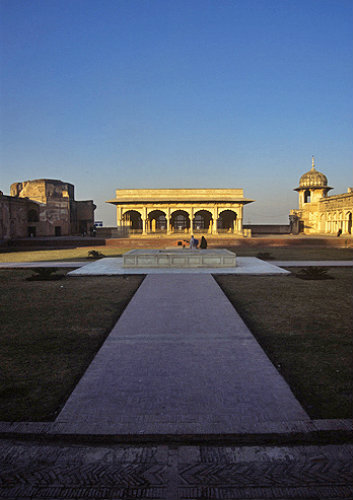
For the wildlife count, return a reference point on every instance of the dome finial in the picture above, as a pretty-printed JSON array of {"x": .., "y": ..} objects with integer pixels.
[{"x": 312, "y": 162}]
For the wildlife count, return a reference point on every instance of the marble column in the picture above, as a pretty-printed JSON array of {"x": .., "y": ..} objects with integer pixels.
[
  {"x": 191, "y": 215},
  {"x": 215, "y": 220},
  {"x": 144, "y": 221},
  {"x": 119, "y": 217}
]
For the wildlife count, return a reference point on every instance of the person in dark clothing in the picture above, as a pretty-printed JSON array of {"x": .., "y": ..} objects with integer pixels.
[{"x": 203, "y": 243}]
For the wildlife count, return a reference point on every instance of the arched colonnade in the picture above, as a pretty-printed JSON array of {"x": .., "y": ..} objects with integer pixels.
[
  {"x": 326, "y": 222},
  {"x": 332, "y": 221},
  {"x": 213, "y": 220},
  {"x": 168, "y": 211}
]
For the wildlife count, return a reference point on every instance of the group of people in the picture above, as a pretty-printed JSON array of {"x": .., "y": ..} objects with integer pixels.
[{"x": 194, "y": 243}]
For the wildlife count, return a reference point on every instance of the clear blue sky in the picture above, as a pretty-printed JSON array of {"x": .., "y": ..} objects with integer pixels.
[{"x": 110, "y": 94}]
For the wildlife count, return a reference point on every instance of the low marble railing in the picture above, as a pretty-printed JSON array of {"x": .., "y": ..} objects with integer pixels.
[{"x": 180, "y": 258}]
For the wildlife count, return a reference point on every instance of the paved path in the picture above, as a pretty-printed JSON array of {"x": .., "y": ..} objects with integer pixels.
[
  {"x": 243, "y": 265},
  {"x": 180, "y": 360},
  {"x": 35, "y": 470},
  {"x": 314, "y": 263},
  {"x": 21, "y": 265}
]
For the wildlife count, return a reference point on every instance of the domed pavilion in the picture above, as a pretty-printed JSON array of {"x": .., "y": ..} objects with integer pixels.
[
  {"x": 312, "y": 186},
  {"x": 319, "y": 213}
]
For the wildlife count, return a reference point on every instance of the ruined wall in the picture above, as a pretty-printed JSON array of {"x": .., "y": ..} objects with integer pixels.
[
  {"x": 14, "y": 217},
  {"x": 84, "y": 216},
  {"x": 42, "y": 190},
  {"x": 55, "y": 218},
  {"x": 43, "y": 207}
]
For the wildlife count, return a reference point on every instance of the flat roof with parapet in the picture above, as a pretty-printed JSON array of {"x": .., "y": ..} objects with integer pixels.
[{"x": 179, "y": 195}]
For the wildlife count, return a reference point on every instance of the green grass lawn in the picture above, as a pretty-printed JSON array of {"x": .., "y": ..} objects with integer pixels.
[
  {"x": 66, "y": 254},
  {"x": 80, "y": 253},
  {"x": 305, "y": 327},
  {"x": 50, "y": 332},
  {"x": 296, "y": 253}
]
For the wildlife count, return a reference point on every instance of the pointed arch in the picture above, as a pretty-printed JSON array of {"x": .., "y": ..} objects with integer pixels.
[
  {"x": 157, "y": 221},
  {"x": 180, "y": 220},
  {"x": 227, "y": 221},
  {"x": 133, "y": 219},
  {"x": 307, "y": 196},
  {"x": 202, "y": 220}
]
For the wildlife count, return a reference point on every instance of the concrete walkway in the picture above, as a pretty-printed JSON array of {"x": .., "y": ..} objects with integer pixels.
[
  {"x": 246, "y": 265},
  {"x": 180, "y": 360},
  {"x": 25, "y": 265},
  {"x": 313, "y": 263}
]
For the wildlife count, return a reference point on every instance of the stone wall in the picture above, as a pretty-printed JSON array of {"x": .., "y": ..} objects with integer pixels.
[
  {"x": 13, "y": 217},
  {"x": 42, "y": 190},
  {"x": 44, "y": 207},
  {"x": 84, "y": 216},
  {"x": 268, "y": 228}
]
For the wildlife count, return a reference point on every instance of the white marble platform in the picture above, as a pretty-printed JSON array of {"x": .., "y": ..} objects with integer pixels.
[
  {"x": 111, "y": 266},
  {"x": 175, "y": 258}
]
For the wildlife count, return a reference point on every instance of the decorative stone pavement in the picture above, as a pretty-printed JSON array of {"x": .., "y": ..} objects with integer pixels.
[{"x": 33, "y": 470}]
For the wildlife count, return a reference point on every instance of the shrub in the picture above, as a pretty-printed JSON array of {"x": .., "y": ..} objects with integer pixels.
[
  {"x": 45, "y": 274},
  {"x": 314, "y": 273},
  {"x": 264, "y": 256},
  {"x": 94, "y": 254}
]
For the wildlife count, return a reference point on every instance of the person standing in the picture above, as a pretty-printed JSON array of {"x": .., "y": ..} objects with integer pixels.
[{"x": 203, "y": 243}]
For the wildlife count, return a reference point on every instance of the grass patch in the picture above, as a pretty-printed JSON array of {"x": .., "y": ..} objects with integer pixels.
[
  {"x": 305, "y": 327},
  {"x": 50, "y": 332},
  {"x": 294, "y": 253},
  {"x": 81, "y": 253},
  {"x": 78, "y": 254}
]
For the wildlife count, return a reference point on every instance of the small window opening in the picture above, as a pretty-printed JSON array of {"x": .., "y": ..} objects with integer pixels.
[
  {"x": 33, "y": 216},
  {"x": 31, "y": 231},
  {"x": 307, "y": 196}
]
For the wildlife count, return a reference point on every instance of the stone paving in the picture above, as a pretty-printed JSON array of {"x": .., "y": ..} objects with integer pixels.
[
  {"x": 36, "y": 470},
  {"x": 312, "y": 263},
  {"x": 25, "y": 265},
  {"x": 273, "y": 263},
  {"x": 181, "y": 360}
]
